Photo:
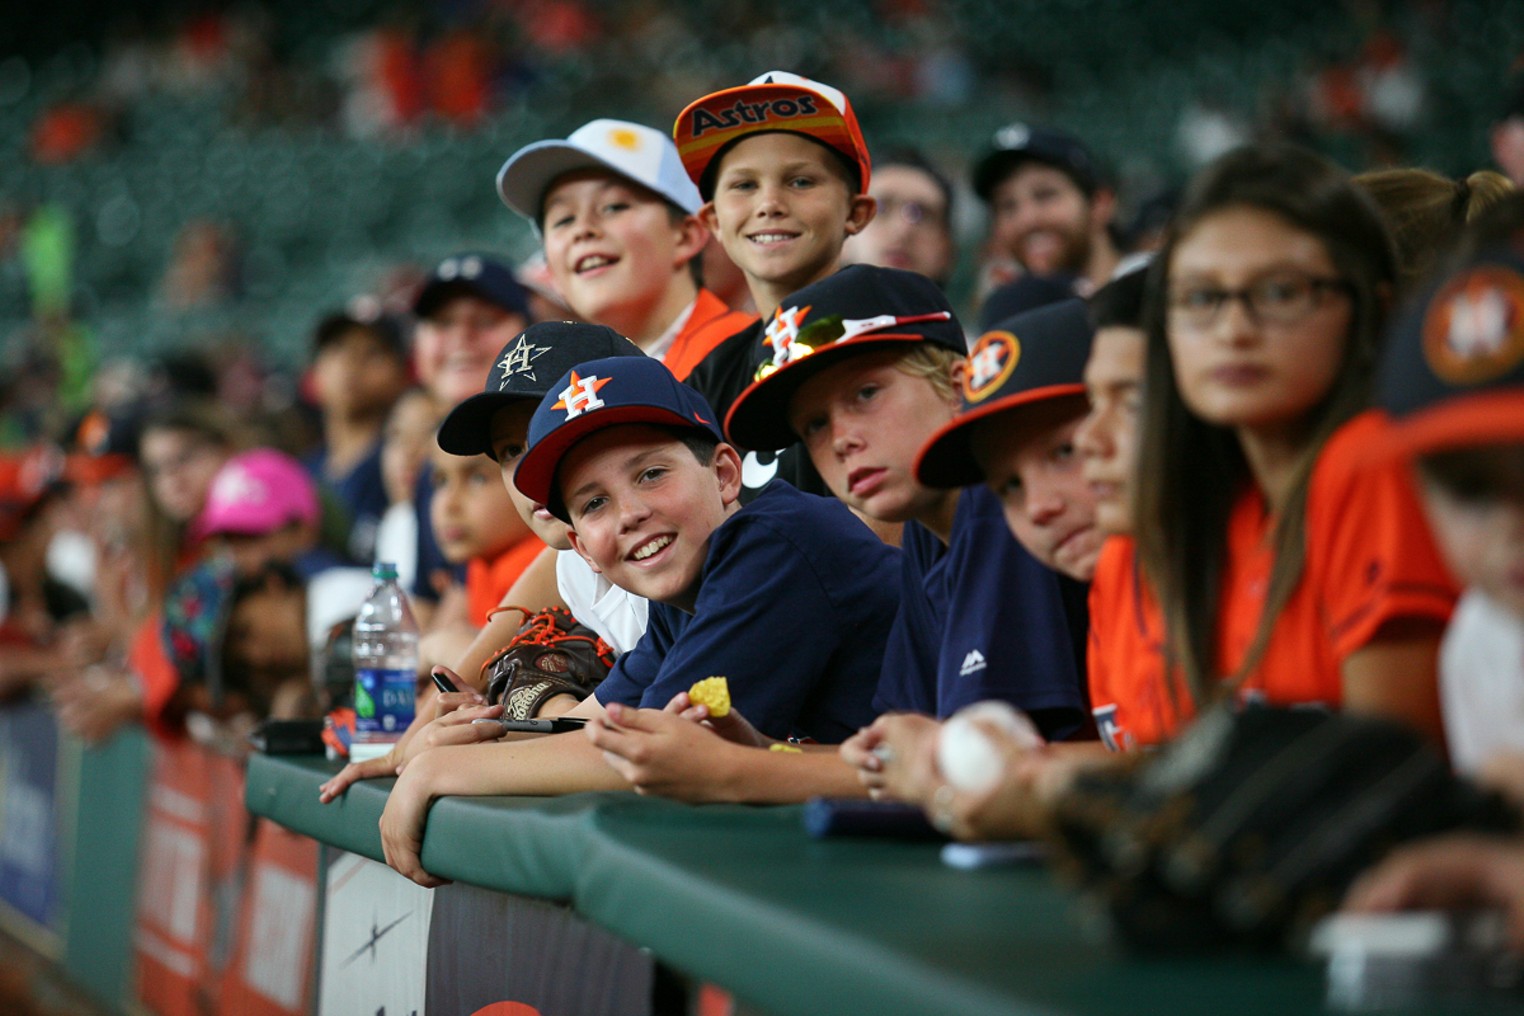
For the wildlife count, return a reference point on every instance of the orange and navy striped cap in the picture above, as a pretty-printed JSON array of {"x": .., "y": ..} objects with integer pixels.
[{"x": 775, "y": 101}]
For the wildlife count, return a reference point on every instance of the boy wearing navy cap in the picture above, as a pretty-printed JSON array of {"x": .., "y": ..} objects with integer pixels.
[
  {"x": 495, "y": 422},
  {"x": 634, "y": 462}
]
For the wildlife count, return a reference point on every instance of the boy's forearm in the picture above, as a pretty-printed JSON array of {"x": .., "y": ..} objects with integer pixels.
[
  {"x": 785, "y": 777},
  {"x": 544, "y": 766}
]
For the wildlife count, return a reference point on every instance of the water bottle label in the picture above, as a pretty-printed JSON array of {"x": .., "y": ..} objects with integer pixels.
[{"x": 383, "y": 700}]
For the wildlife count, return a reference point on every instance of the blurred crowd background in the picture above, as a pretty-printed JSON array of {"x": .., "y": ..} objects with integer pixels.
[{"x": 184, "y": 180}]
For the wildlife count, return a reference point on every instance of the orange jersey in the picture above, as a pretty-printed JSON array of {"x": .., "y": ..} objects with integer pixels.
[
  {"x": 1370, "y": 559},
  {"x": 488, "y": 581},
  {"x": 709, "y": 324},
  {"x": 1125, "y": 656}
]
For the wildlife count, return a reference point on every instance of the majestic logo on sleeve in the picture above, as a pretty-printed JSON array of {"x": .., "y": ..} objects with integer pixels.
[
  {"x": 990, "y": 363},
  {"x": 520, "y": 360},
  {"x": 581, "y": 395},
  {"x": 1474, "y": 330},
  {"x": 782, "y": 337}
]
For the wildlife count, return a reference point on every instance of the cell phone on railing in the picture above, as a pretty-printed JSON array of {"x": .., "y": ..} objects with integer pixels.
[{"x": 552, "y": 725}]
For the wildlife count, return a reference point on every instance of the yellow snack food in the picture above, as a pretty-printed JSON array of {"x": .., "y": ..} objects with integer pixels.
[
  {"x": 785, "y": 748},
  {"x": 713, "y": 692}
]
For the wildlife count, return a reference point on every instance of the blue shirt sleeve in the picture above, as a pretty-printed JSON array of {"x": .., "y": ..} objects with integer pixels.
[{"x": 908, "y": 680}]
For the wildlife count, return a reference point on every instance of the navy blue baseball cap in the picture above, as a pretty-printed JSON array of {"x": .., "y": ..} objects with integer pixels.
[
  {"x": 1033, "y": 357},
  {"x": 1452, "y": 374},
  {"x": 527, "y": 368},
  {"x": 475, "y": 274},
  {"x": 595, "y": 395},
  {"x": 858, "y": 309},
  {"x": 1019, "y": 142}
]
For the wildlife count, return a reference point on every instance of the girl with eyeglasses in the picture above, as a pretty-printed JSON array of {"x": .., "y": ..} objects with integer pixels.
[{"x": 1290, "y": 567}]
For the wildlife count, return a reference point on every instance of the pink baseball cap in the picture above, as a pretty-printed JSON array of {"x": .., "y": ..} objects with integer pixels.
[{"x": 258, "y": 492}]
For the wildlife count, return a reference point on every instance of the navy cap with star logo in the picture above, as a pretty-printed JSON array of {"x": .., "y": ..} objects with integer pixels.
[
  {"x": 1031, "y": 358},
  {"x": 593, "y": 396},
  {"x": 474, "y": 274},
  {"x": 858, "y": 309},
  {"x": 526, "y": 369},
  {"x": 1452, "y": 374}
]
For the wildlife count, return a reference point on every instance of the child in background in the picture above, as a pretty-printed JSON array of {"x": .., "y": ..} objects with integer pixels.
[
  {"x": 476, "y": 525},
  {"x": 359, "y": 369},
  {"x": 263, "y": 507},
  {"x": 468, "y": 309},
  {"x": 782, "y": 193},
  {"x": 629, "y": 457},
  {"x": 410, "y": 428}
]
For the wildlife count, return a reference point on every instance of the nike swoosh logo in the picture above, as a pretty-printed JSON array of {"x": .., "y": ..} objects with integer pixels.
[{"x": 754, "y": 474}]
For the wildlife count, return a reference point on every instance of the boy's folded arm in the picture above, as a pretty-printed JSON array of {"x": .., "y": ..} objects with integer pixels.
[{"x": 538, "y": 767}]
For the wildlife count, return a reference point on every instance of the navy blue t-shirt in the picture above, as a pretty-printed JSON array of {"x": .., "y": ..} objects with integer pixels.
[
  {"x": 796, "y": 600},
  {"x": 981, "y": 618}
]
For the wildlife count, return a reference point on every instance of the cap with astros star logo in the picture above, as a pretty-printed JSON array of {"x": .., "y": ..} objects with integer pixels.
[
  {"x": 593, "y": 396},
  {"x": 1030, "y": 358},
  {"x": 1452, "y": 374},
  {"x": 526, "y": 369},
  {"x": 860, "y": 308}
]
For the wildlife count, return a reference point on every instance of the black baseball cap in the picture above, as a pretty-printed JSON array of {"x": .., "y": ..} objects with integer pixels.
[
  {"x": 366, "y": 315},
  {"x": 476, "y": 274},
  {"x": 1016, "y": 143},
  {"x": 526, "y": 369},
  {"x": 860, "y": 308},
  {"x": 599, "y": 394},
  {"x": 1032, "y": 357},
  {"x": 1452, "y": 374}
]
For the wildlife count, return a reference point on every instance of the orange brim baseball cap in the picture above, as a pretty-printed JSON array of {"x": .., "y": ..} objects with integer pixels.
[
  {"x": 775, "y": 101},
  {"x": 1452, "y": 375}
]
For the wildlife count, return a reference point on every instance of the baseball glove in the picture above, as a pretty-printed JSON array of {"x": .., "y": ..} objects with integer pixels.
[
  {"x": 1250, "y": 826},
  {"x": 551, "y": 654}
]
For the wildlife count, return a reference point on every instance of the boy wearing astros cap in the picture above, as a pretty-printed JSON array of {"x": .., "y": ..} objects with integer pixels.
[
  {"x": 783, "y": 170},
  {"x": 616, "y": 213},
  {"x": 788, "y": 598}
]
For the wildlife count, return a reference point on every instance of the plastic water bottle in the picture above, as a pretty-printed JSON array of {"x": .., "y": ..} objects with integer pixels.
[{"x": 386, "y": 666}]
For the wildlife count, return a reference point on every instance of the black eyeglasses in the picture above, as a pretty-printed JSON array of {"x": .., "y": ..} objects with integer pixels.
[{"x": 1280, "y": 299}]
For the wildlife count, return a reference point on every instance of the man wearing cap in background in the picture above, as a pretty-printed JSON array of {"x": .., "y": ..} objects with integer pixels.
[
  {"x": 359, "y": 369},
  {"x": 1051, "y": 209},
  {"x": 470, "y": 307},
  {"x": 616, "y": 214}
]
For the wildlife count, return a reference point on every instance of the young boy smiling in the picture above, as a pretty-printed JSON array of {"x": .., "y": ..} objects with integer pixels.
[
  {"x": 617, "y": 216},
  {"x": 633, "y": 461},
  {"x": 783, "y": 190}
]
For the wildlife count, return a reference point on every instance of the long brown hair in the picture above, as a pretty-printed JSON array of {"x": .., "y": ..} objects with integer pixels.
[
  {"x": 1182, "y": 521},
  {"x": 1426, "y": 211}
]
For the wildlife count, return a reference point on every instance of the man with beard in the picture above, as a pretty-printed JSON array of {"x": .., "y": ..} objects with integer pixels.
[{"x": 1051, "y": 210}]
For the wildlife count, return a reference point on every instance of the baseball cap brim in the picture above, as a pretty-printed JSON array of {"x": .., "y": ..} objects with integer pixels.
[
  {"x": 947, "y": 458},
  {"x": 1485, "y": 418},
  {"x": 526, "y": 177},
  {"x": 758, "y": 419},
  {"x": 535, "y": 476},
  {"x": 467, "y": 430}
]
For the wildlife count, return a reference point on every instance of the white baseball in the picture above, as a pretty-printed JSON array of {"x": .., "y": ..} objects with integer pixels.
[{"x": 967, "y": 757}]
